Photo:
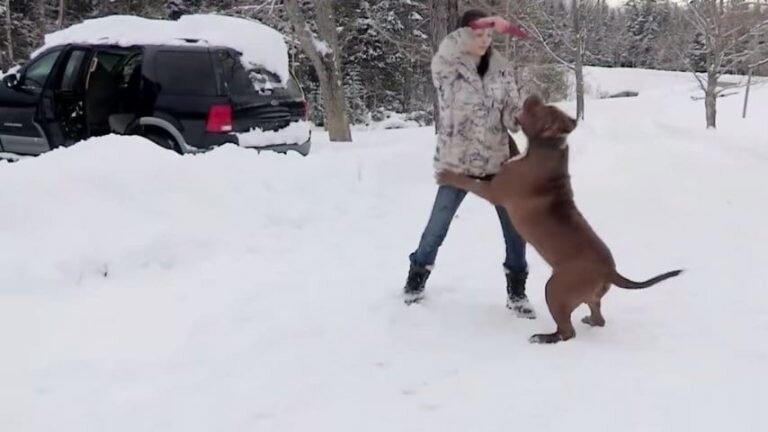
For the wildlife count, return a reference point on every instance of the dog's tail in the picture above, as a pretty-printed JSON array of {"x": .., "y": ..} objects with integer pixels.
[{"x": 622, "y": 282}]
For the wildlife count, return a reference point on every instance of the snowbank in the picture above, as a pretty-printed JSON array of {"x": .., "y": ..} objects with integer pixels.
[
  {"x": 11, "y": 70},
  {"x": 394, "y": 120},
  {"x": 259, "y": 44},
  {"x": 295, "y": 133},
  {"x": 602, "y": 82}
]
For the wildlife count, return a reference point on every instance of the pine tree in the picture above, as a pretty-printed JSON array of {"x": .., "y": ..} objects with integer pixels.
[
  {"x": 697, "y": 53},
  {"x": 643, "y": 26}
]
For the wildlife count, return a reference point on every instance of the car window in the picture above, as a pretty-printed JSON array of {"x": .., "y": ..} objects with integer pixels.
[
  {"x": 130, "y": 67},
  {"x": 233, "y": 73},
  {"x": 72, "y": 70},
  {"x": 36, "y": 74},
  {"x": 294, "y": 88},
  {"x": 109, "y": 60},
  {"x": 239, "y": 81},
  {"x": 185, "y": 73},
  {"x": 264, "y": 80}
]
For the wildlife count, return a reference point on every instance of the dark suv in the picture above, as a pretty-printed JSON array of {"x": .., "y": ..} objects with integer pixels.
[{"x": 188, "y": 98}]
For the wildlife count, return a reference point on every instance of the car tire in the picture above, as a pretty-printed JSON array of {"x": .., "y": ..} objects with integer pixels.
[{"x": 164, "y": 140}]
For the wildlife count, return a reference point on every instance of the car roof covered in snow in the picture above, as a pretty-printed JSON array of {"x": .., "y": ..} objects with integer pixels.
[{"x": 259, "y": 44}]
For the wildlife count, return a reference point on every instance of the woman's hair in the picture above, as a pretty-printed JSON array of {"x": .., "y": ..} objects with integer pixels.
[
  {"x": 466, "y": 19},
  {"x": 471, "y": 15}
]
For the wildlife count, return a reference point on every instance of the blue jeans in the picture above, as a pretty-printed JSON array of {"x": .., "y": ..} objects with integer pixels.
[{"x": 446, "y": 204}]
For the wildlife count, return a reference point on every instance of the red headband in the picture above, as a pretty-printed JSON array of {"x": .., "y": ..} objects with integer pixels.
[{"x": 511, "y": 30}]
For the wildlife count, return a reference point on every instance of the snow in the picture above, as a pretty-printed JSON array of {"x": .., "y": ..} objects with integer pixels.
[
  {"x": 295, "y": 133},
  {"x": 234, "y": 290},
  {"x": 601, "y": 82},
  {"x": 11, "y": 156},
  {"x": 396, "y": 122},
  {"x": 321, "y": 46},
  {"x": 259, "y": 44},
  {"x": 392, "y": 120},
  {"x": 11, "y": 70}
]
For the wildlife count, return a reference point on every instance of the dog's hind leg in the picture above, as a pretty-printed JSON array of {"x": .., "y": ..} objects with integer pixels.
[
  {"x": 561, "y": 306},
  {"x": 595, "y": 319}
]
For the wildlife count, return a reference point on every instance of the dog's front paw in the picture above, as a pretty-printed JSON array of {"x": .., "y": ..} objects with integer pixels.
[{"x": 445, "y": 178}]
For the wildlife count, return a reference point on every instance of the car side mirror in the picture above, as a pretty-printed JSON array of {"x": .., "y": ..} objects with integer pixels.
[{"x": 11, "y": 80}]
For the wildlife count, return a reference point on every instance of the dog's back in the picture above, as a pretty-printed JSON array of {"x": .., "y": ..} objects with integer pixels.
[{"x": 537, "y": 193}]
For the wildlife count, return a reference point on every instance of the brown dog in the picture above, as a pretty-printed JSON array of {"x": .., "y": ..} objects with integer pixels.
[{"x": 535, "y": 189}]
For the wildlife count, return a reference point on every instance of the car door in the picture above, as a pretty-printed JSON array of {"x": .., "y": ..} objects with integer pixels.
[
  {"x": 61, "y": 112},
  {"x": 20, "y": 101}
]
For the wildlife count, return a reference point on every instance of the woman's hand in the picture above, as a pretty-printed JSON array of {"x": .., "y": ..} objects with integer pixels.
[{"x": 500, "y": 25}]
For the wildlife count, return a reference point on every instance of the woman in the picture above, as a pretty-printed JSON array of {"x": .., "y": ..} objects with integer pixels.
[{"x": 477, "y": 99}]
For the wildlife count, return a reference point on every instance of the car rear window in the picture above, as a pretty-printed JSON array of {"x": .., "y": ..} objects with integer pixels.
[
  {"x": 185, "y": 73},
  {"x": 241, "y": 82},
  {"x": 233, "y": 74}
]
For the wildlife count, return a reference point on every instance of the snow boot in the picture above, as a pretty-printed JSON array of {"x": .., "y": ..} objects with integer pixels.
[
  {"x": 517, "y": 301},
  {"x": 413, "y": 292}
]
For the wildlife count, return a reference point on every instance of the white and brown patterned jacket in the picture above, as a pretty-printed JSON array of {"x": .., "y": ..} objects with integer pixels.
[{"x": 472, "y": 139}]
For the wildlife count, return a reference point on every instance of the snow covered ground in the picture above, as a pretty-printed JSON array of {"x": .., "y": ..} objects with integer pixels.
[
  {"x": 601, "y": 82},
  {"x": 236, "y": 291}
]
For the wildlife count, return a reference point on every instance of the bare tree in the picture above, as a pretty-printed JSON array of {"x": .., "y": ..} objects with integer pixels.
[
  {"x": 42, "y": 9},
  {"x": 579, "y": 41},
  {"x": 60, "y": 19},
  {"x": 444, "y": 15},
  {"x": 9, "y": 30},
  {"x": 325, "y": 54},
  {"x": 726, "y": 32},
  {"x": 545, "y": 29},
  {"x": 752, "y": 68}
]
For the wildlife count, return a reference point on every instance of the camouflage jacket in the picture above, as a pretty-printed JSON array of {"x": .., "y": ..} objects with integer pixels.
[{"x": 471, "y": 139}]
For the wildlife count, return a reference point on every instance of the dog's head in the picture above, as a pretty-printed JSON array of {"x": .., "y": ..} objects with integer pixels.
[{"x": 541, "y": 121}]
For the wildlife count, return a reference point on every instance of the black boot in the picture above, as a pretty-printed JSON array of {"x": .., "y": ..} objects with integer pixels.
[
  {"x": 414, "y": 286},
  {"x": 516, "y": 298}
]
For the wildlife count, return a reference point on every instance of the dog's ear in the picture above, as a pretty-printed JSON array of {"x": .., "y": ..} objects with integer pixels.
[{"x": 531, "y": 102}]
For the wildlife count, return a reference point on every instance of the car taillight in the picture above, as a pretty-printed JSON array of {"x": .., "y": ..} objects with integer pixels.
[{"x": 219, "y": 119}]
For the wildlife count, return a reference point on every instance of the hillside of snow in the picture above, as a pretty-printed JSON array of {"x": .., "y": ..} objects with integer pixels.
[
  {"x": 601, "y": 82},
  {"x": 141, "y": 290}
]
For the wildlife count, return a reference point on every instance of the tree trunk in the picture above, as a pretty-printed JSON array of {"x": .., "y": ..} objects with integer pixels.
[
  {"x": 9, "y": 30},
  {"x": 746, "y": 94},
  {"x": 60, "y": 19},
  {"x": 579, "y": 63},
  {"x": 325, "y": 56},
  {"x": 444, "y": 16},
  {"x": 710, "y": 99},
  {"x": 43, "y": 18},
  {"x": 579, "y": 71}
]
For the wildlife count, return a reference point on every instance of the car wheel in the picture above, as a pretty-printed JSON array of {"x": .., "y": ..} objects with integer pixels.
[{"x": 164, "y": 141}]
